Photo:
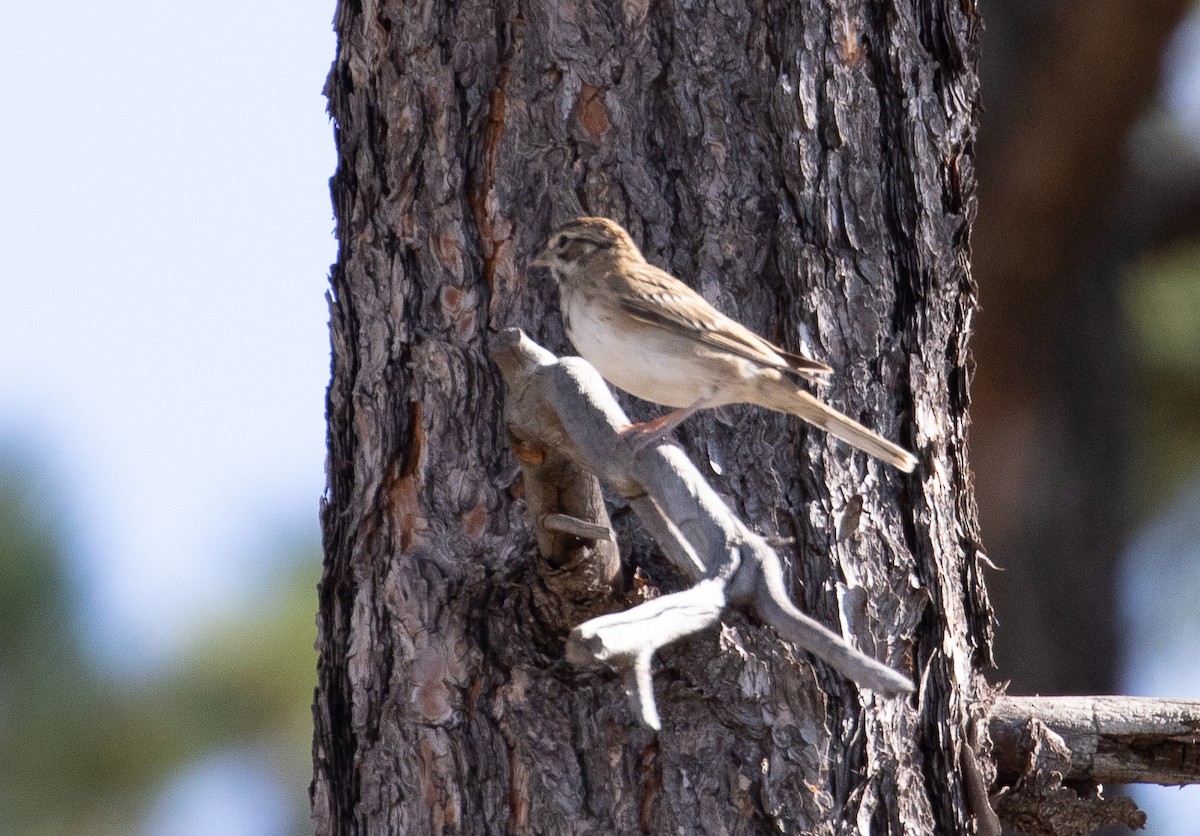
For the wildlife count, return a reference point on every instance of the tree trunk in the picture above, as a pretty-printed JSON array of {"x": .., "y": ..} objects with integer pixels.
[{"x": 809, "y": 169}]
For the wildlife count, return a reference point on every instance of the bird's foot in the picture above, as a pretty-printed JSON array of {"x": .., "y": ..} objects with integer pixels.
[{"x": 644, "y": 433}]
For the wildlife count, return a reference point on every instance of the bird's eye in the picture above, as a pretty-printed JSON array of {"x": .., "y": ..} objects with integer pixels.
[{"x": 575, "y": 249}]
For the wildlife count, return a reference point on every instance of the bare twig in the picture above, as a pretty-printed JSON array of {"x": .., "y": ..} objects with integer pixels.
[
  {"x": 631, "y": 637},
  {"x": 584, "y": 530}
]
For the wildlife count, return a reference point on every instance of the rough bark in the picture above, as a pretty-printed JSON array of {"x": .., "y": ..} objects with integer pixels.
[{"x": 809, "y": 169}]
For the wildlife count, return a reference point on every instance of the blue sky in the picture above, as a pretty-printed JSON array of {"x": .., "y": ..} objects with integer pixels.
[{"x": 165, "y": 239}]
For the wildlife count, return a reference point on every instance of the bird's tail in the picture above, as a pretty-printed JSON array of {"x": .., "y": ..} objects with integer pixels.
[{"x": 787, "y": 398}]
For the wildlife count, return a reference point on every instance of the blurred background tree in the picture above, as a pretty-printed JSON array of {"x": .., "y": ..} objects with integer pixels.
[
  {"x": 87, "y": 753},
  {"x": 1082, "y": 174}
]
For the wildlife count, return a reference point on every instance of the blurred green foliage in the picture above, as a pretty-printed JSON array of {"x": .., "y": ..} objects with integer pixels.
[
  {"x": 84, "y": 754},
  {"x": 1162, "y": 306}
]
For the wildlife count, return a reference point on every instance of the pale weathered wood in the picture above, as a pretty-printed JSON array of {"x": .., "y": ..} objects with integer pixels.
[
  {"x": 1110, "y": 739},
  {"x": 576, "y": 527},
  {"x": 1035, "y": 795},
  {"x": 568, "y": 407}
]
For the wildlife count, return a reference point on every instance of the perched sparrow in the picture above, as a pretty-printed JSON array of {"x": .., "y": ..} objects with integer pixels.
[{"x": 653, "y": 336}]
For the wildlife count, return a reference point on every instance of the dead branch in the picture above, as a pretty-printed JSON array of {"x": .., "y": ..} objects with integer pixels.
[
  {"x": 1109, "y": 740},
  {"x": 563, "y": 407}
]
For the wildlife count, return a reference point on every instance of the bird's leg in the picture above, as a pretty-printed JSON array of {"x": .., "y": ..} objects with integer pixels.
[{"x": 644, "y": 433}]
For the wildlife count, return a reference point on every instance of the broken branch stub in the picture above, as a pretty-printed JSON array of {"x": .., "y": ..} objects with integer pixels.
[
  {"x": 563, "y": 406},
  {"x": 1108, "y": 739}
]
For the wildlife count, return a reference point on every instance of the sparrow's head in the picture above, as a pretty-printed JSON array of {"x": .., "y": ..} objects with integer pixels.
[{"x": 584, "y": 243}]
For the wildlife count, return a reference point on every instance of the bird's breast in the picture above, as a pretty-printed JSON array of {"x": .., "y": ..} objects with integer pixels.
[{"x": 644, "y": 360}]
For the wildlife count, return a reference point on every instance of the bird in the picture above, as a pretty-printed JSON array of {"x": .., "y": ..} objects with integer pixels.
[{"x": 651, "y": 335}]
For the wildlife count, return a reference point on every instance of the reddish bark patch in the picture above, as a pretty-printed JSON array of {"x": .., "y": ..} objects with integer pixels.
[
  {"x": 592, "y": 113},
  {"x": 475, "y": 522}
]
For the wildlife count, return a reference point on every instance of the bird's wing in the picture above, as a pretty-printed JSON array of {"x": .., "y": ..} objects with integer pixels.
[{"x": 669, "y": 303}]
